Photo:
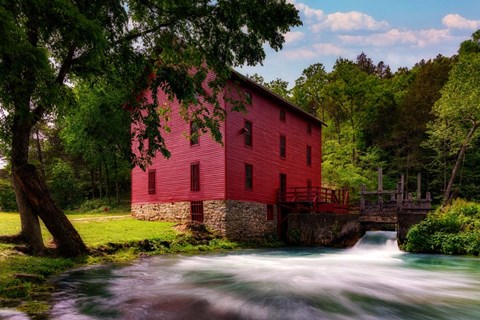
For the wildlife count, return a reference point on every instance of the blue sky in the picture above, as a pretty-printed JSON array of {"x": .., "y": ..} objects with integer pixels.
[{"x": 398, "y": 32}]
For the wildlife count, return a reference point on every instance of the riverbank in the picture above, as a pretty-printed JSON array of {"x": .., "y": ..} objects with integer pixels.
[{"x": 111, "y": 238}]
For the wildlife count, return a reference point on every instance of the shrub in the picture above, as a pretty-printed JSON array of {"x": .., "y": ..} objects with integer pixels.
[{"x": 455, "y": 230}]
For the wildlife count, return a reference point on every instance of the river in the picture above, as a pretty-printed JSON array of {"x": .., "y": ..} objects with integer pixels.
[{"x": 373, "y": 280}]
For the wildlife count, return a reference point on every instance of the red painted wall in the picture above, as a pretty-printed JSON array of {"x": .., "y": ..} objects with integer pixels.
[
  {"x": 264, "y": 155},
  {"x": 173, "y": 174},
  {"x": 222, "y": 168}
]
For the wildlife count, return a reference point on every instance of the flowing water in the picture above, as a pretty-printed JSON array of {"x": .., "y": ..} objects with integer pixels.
[{"x": 373, "y": 280}]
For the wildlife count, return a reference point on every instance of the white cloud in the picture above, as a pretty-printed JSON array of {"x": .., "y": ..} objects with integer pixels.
[
  {"x": 293, "y": 36},
  {"x": 456, "y": 21},
  {"x": 347, "y": 21},
  {"x": 300, "y": 53},
  {"x": 328, "y": 49},
  {"x": 307, "y": 11},
  {"x": 421, "y": 38},
  {"x": 318, "y": 49}
]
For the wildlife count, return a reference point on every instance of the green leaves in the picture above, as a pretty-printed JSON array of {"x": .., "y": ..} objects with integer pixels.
[
  {"x": 134, "y": 46},
  {"x": 453, "y": 231}
]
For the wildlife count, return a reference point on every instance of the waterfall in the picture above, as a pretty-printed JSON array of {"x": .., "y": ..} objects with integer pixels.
[{"x": 385, "y": 241}]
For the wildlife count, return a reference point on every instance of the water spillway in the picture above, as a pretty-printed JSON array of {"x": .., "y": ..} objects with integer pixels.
[
  {"x": 375, "y": 241},
  {"x": 373, "y": 280}
]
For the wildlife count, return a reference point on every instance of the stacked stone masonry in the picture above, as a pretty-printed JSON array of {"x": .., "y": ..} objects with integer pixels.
[{"x": 235, "y": 220}]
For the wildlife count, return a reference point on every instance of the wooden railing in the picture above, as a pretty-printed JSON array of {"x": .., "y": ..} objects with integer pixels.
[
  {"x": 314, "y": 195},
  {"x": 373, "y": 202}
]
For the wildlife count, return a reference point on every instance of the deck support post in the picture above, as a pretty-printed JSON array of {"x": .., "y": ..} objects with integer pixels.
[
  {"x": 363, "y": 189},
  {"x": 419, "y": 186}
]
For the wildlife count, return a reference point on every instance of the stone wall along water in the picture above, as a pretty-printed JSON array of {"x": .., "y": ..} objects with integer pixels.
[{"x": 235, "y": 220}]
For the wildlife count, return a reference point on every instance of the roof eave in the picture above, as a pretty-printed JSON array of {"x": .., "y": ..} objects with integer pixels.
[{"x": 276, "y": 96}]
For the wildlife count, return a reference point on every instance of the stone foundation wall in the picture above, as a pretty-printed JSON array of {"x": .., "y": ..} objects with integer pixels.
[
  {"x": 325, "y": 229},
  {"x": 235, "y": 220},
  {"x": 168, "y": 211},
  {"x": 247, "y": 221}
]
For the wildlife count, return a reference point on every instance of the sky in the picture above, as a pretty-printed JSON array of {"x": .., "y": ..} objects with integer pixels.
[{"x": 398, "y": 32}]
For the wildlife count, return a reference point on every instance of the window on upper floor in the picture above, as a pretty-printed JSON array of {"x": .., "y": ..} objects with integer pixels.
[
  {"x": 309, "y": 156},
  {"x": 248, "y": 177},
  {"x": 195, "y": 176},
  {"x": 283, "y": 147},
  {"x": 283, "y": 116},
  {"x": 248, "y": 137},
  {"x": 151, "y": 181},
  {"x": 193, "y": 133}
]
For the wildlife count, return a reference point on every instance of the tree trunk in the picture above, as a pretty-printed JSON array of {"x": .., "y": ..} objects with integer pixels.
[
  {"x": 31, "y": 232},
  {"x": 448, "y": 191},
  {"x": 107, "y": 181},
  {"x": 100, "y": 189},
  {"x": 34, "y": 199},
  {"x": 39, "y": 150},
  {"x": 92, "y": 176},
  {"x": 31, "y": 185},
  {"x": 117, "y": 192}
]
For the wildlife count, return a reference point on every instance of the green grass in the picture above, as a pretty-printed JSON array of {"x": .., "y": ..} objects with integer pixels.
[
  {"x": 9, "y": 223},
  {"x": 125, "y": 229},
  {"x": 113, "y": 237}
]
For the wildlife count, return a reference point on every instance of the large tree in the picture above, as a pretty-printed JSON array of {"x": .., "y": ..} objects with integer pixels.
[
  {"x": 458, "y": 113},
  {"x": 47, "y": 45}
]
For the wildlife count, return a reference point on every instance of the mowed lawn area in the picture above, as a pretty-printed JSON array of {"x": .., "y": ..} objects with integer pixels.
[{"x": 101, "y": 228}]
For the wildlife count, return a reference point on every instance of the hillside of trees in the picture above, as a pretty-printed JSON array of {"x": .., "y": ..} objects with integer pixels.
[{"x": 408, "y": 121}]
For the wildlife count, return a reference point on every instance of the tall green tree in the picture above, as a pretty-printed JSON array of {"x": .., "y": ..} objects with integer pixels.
[
  {"x": 277, "y": 86},
  {"x": 47, "y": 45},
  {"x": 458, "y": 112},
  {"x": 98, "y": 131},
  {"x": 308, "y": 92}
]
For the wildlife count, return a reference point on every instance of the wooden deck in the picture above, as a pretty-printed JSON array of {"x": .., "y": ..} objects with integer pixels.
[{"x": 316, "y": 199}]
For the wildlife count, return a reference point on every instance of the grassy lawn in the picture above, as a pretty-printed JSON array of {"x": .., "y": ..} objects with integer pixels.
[
  {"x": 100, "y": 228},
  {"x": 112, "y": 236}
]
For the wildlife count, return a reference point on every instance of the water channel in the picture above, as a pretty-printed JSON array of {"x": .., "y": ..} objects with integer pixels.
[{"x": 373, "y": 280}]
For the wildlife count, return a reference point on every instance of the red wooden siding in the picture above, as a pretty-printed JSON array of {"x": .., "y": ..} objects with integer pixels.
[
  {"x": 247, "y": 167},
  {"x": 173, "y": 176},
  {"x": 264, "y": 154}
]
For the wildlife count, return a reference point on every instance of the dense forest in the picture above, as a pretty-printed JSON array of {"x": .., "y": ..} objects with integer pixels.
[{"x": 418, "y": 120}]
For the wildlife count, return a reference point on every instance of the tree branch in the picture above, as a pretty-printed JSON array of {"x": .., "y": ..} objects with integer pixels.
[
  {"x": 136, "y": 35},
  {"x": 59, "y": 80}
]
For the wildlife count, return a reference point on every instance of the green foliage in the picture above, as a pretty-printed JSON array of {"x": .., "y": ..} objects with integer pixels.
[
  {"x": 101, "y": 206},
  {"x": 7, "y": 196},
  {"x": 277, "y": 86},
  {"x": 456, "y": 230},
  {"x": 457, "y": 118},
  {"x": 63, "y": 185}
]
